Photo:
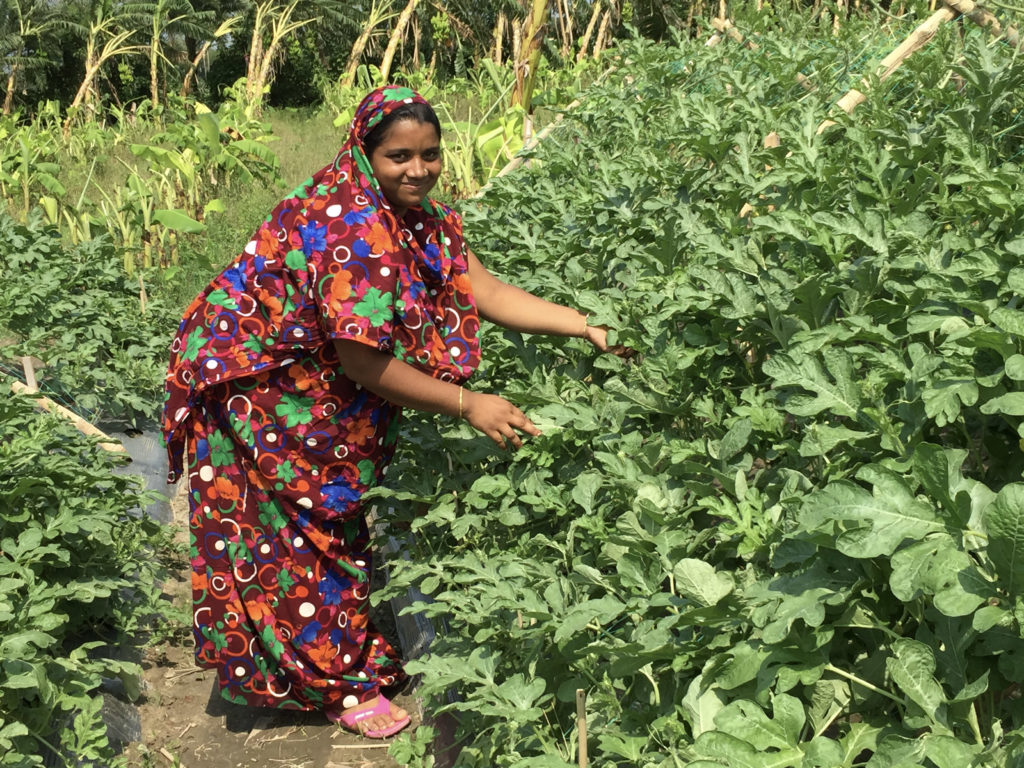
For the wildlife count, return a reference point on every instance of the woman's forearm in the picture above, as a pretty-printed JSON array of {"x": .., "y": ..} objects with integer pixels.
[
  {"x": 405, "y": 385},
  {"x": 517, "y": 310},
  {"x": 396, "y": 381},
  {"x": 514, "y": 308}
]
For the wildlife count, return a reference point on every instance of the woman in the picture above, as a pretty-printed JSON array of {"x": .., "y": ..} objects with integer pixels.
[{"x": 357, "y": 296}]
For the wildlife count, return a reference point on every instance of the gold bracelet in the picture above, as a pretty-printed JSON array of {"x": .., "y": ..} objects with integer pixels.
[
  {"x": 460, "y": 402},
  {"x": 586, "y": 317}
]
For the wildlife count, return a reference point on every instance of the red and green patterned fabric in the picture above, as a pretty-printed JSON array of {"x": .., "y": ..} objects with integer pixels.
[{"x": 278, "y": 445}]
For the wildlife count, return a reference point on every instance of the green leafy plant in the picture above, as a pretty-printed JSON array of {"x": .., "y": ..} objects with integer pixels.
[
  {"x": 74, "y": 308},
  {"x": 80, "y": 579},
  {"x": 787, "y": 533}
]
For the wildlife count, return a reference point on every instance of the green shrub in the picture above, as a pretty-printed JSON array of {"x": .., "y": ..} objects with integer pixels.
[
  {"x": 79, "y": 582},
  {"x": 74, "y": 308}
]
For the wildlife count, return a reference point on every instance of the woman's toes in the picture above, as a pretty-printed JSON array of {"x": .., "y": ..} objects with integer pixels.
[{"x": 375, "y": 723}]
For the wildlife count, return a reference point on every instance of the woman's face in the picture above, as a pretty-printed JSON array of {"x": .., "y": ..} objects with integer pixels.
[{"x": 407, "y": 163}]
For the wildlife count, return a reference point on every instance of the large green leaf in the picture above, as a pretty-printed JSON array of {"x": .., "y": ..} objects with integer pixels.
[
  {"x": 1011, "y": 320},
  {"x": 936, "y": 567},
  {"x": 700, "y": 582},
  {"x": 746, "y": 720},
  {"x": 739, "y": 753},
  {"x": 1004, "y": 521},
  {"x": 866, "y": 523},
  {"x": 178, "y": 221},
  {"x": 700, "y": 705},
  {"x": 831, "y": 379},
  {"x": 912, "y": 667}
]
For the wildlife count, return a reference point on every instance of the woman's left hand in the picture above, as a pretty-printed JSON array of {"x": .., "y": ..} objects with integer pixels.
[{"x": 598, "y": 336}]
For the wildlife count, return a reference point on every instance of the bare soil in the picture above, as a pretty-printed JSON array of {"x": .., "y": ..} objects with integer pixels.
[{"x": 187, "y": 724}]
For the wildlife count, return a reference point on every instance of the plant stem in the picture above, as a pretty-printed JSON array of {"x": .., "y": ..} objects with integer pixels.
[{"x": 864, "y": 683}]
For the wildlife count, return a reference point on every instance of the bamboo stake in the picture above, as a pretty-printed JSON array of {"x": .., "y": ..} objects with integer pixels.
[
  {"x": 985, "y": 20},
  {"x": 726, "y": 26},
  {"x": 171, "y": 758},
  {"x": 106, "y": 442},
  {"x": 916, "y": 40},
  {"x": 30, "y": 373},
  {"x": 581, "y": 726}
]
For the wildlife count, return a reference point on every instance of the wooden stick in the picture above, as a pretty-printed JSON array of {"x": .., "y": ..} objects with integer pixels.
[
  {"x": 985, "y": 20},
  {"x": 581, "y": 725},
  {"x": 30, "y": 373},
  {"x": 916, "y": 40},
  {"x": 107, "y": 442},
  {"x": 171, "y": 758},
  {"x": 725, "y": 26},
  {"x": 360, "y": 747}
]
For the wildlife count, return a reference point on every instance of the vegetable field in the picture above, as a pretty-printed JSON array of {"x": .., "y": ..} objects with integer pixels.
[
  {"x": 80, "y": 580},
  {"x": 789, "y": 532}
]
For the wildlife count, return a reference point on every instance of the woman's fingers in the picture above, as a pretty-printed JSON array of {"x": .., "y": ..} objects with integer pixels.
[
  {"x": 497, "y": 418},
  {"x": 598, "y": 336}
]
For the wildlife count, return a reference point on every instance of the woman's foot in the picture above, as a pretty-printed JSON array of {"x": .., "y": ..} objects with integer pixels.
[{"x": 374, "y": 719}]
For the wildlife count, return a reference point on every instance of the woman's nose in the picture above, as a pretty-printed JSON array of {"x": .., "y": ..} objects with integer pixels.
[{"x": 417, "y": 168}]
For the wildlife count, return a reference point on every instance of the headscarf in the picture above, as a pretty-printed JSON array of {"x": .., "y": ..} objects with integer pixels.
[
  {"x": 362, "y": 195},
  {"x": 333, "y": 260}
]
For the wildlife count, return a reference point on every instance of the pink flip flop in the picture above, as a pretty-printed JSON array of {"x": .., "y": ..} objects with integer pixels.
[{"x": 351, "y": 720}]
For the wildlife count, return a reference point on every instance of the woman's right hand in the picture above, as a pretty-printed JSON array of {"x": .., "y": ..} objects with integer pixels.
[{"x": 497, "y": 418}]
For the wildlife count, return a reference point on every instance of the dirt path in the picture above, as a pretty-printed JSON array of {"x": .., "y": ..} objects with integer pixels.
[{"x": 186, "y": 723}]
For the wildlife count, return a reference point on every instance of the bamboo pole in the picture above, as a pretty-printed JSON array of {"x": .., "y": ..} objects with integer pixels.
[
  {"x": 985, "y": 20},
  {"x": 725, "y": 26},
  {"x": 916, "y": 40},
  {"x": 30, "y": 373},
  {"x": 581, "y": 726},
  {"x": 106, "y": 442}
]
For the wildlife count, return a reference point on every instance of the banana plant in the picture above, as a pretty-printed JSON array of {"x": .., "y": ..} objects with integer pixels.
[
  {"x": 32, "y": 169},
  {"x": 275, "y": 20},
  {"x": 104, "y": 43},
  {"x": 226, "y": 27}
]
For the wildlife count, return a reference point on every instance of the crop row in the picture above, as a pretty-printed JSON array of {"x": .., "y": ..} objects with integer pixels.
[{"x": 787, "y": 533}]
